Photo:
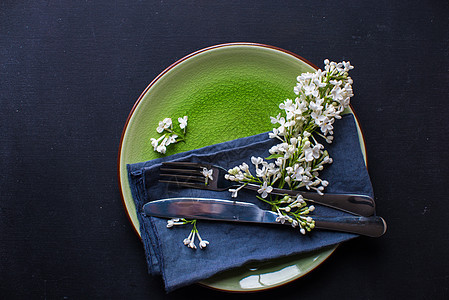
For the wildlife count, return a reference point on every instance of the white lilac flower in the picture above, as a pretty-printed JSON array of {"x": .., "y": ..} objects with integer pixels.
[
  {"x": 305, "y": 76},
  {"x": 229, "y": 177},
  {"x": 234, "y": 171},
  {"x": 234, "y": 193},
  {"x": 316, "y": 105},
  {"x": 286, "y": 208},
  {"x": 164, "y": 124},
  {"x": 192, "y": 241},
  {"x": 345, "y": 102},
  {"x": 329, "y": 139},
  {"x": 173, "y": 222},
  {"x": 336, "y": 82},
  {"x": 336, "y": 93},
  {"x": 155, "y": 142},
  {"x": 327, "y": 160},
  {"x": 297, "y": 172},
  {"x": 203, "y": 243},
  {"x": 312, "y": 153},
  {"x": 277, "y": 119},
  {"x": 187, "y": 239},
  {"x": 272, "y": 170},
  {"x": 192, "y": 245},
  {"x": 287, "y": 105},
  {"x": 161, "y": 149},
  {"x": 294, "y": 223},
  {"x": 326, "y": 127},
  {"x": 311, "y": 90},
  {"x": 171, "y": 139},
  {"x": 207, "y": 174},
  {"x": 183, "y": 122},
  {"x": 274, "y": 134},
  {"x": 318, "y": 82},
  {"x": 281, "y": 218},
  {"x": 256, "y": 160},
  {"x": 244, "y": 167},
  {"x": 265, "y": 189},
  {"x": 261, "y": 172},
  {"x": 318, "y": 117}
]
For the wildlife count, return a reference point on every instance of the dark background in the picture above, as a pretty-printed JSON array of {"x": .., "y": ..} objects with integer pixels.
[{"x": 70, "y": 72}]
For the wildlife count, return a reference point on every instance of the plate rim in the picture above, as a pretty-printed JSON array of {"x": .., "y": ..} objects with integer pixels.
[{"x": 165, "y": 71}]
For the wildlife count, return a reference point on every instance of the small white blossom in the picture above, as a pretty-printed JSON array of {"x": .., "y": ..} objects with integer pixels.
[
  {"x": 161, "y": 149},
  {"x": 312, "y": 153},
  {"x": 337, "y": 93},
  {"x": 207, "y": 174},
  {"x": 171, "y": 139},
  {"x": 192, "y": 241},
  {"x": 183, "y": 122},
  {"x": 244, "y": 167},
  {"x": 172, "y": 222},
  {"x": 281, "y": 218},
  {"x": 265, "y": 189},
  {"x": 316, "y": 105},
  {"x": 203, "y": 243},
  {"x": 164, "y": 124},
  {"x": 274, "y": 134},
  {"x": 294, "y": 223},
  {"x": 155, "y": 142},
  {"x": 234, "y": 192},
  {"x": 256, "y": 160},
  {"x": 187, "y": 239}
]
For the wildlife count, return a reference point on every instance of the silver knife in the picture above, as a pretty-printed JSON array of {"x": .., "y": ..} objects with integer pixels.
[{"x": 235, "y": 211}]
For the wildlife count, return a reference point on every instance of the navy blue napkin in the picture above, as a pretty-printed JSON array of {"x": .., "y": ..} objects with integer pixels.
[{"x": 232, "y": 245}]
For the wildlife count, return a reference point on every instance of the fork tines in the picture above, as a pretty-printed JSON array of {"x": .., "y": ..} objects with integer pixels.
[{"x": 186, "y": 174}]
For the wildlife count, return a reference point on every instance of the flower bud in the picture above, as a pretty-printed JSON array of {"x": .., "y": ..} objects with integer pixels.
[{"x": 285, "y": 199}]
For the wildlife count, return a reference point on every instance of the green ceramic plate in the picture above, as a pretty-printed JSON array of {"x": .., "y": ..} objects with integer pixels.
[{"x": 228, "y": 91}]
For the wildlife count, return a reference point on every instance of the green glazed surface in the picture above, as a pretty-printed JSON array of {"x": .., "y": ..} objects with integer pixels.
[{"x": 228, "y": 92}]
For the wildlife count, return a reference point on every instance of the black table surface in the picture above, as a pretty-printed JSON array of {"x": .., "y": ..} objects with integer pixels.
[{"x": 70, "y": 72}]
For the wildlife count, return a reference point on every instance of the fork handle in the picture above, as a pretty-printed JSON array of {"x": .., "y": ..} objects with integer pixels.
[
  {"x": 373, "y": 226},
  {"x": 352, "y": 203}
]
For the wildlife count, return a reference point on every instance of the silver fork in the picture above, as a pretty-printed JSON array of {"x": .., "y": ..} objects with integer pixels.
[{"x": 189, "y": 174}]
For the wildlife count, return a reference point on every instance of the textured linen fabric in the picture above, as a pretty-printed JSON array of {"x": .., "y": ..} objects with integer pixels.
[{"x": 232, "y": 245}]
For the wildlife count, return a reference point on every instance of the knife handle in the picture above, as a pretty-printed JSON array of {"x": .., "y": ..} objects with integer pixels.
[
  {"x": 368, "y": 226},
  {"x": 355, "y": 204}
]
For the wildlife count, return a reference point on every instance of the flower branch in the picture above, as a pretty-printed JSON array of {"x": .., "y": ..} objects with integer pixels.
[
  {"x": 296, "y": 161},
  {"x": 170, "y": 134}
]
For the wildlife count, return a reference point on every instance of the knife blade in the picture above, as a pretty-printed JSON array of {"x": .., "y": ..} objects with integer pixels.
[{"x": 236, "y": 211}]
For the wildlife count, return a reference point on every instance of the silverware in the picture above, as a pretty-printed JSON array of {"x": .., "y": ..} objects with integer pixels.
[
  {"x": 235, "y": 211},
  {"x": 189, "y": 174}
]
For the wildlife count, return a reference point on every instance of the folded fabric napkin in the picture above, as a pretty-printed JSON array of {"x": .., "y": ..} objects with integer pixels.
[{"x": 232, "y": 245}]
